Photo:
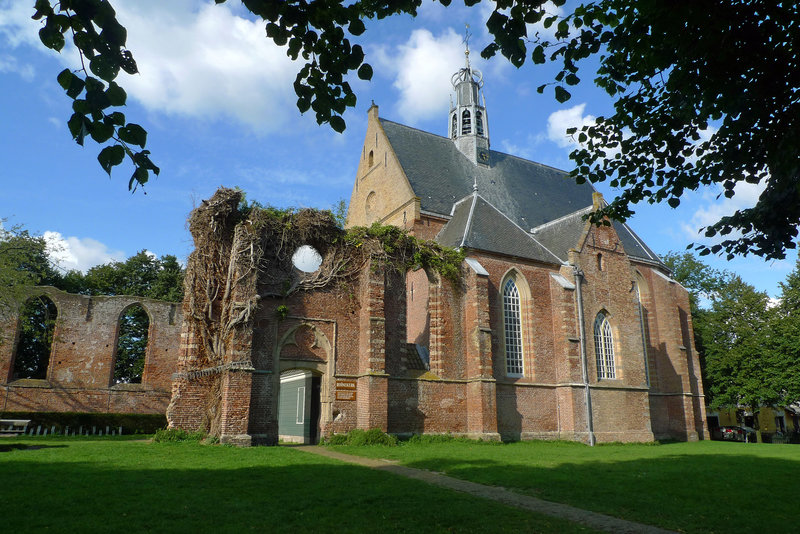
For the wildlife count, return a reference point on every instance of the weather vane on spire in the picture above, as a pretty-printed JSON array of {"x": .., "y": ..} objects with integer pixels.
[{"x": 467, "y": 35}]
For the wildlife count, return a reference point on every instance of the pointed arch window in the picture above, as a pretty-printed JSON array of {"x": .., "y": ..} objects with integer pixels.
[
  {"x": 466, "y": 122},
  {"x": 512, "y": 328},
  {"x": 37, "y": 326},
  {"x": 604, "y": 347},
  {"x": 132, "y": 339},
  {"x": 479, "y": 122},
  {"x": 454, "y": 126}
]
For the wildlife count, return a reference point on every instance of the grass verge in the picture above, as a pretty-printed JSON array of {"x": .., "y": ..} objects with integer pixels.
[
  {"x": 704, "y": 486},
  {"x": 80, "y": 485}
]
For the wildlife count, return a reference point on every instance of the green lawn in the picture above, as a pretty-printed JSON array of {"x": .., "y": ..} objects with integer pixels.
[
  {"x": 693, "y": 487},
  {"x": 105, "y": 485}
]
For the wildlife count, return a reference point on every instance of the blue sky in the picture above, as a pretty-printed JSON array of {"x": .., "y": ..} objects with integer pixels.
[{"x": 217, "y": 101}]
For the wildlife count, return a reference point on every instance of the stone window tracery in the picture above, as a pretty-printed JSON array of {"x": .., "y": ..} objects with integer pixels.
[
  {"x": 512, "y": 328},
  {"x": 604, "y": 347}
]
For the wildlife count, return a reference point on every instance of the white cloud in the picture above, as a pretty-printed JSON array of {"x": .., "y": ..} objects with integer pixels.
[
  {"x": 10, "y": 64},
  {"x": 418, "y": 67},
  {"x": 746, "y": 195},
  {"x": 195, "y": 59},
  {"x": 16, "y": 25},
  {"x": 559, "y": 121},
  {"x": 207, "y": 62},
  {"x": 78, "y": 253}
]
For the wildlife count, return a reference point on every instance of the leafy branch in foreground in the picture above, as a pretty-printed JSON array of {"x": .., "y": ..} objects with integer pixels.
[
  {"x": 100, "y": 41},
  {"x": 705, "y": 93}
]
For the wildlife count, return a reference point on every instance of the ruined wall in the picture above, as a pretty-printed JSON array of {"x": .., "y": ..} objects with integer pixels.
[{"x": 81, "y": 366}]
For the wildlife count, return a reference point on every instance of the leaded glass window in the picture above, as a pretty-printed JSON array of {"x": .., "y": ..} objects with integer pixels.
[
  {"x": 604, "y": 347},
  {"x": 512, "y": 321}
]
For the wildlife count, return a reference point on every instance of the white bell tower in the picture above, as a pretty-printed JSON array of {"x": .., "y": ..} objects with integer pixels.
[{"x": 469, "y": 125}]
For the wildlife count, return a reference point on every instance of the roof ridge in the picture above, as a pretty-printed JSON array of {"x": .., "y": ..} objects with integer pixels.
[
  {"x": 527, "y": 234},
  {"x": 546, "y": 225},
  {"x": 414, "y": 128},
  {"x": 469, "y": 218}
]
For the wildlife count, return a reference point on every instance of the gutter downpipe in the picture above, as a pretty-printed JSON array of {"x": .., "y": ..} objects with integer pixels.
[{"x": 584, "y": 364}]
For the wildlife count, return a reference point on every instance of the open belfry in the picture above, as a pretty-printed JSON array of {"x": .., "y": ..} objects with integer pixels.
[{"x": 539, "y": 325}]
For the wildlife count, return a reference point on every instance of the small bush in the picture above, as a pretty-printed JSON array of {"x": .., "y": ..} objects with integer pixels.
[
  {"x": 171, "y": 435},
  {"x": 425, "y": 439},
  {"x": 335, "y": 439},
  {"x": 358, "y": 437}
]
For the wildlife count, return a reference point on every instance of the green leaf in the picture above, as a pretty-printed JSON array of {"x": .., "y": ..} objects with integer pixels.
[
  {"x": 538, "y": 55},
  {"x": 64, "y": 78},
  {"x": 43, "y": 8},
  {"x": 133, "y": 134},
  {"x": 356, "y": 27},
  {"x": 101, "y": 131},
  {"x": 51, "y": 38},
  {"x": 117, "y": 118},
  {"x": 140, "y": 175},
  {"x": 111, "y": 156},
  {"x": 562, "y": 95},
  {"x": 104, "y": 67},
  {"x": 77, "y": 127},
  {"x": 365, "y": 71},
  {"x": 116, "y": 94},
  {"x": 337, "y": 123}
]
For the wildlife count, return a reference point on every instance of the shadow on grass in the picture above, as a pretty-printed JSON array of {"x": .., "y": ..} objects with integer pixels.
[
  {"x": 691, "y": 493},
  {"x": 93, "y": 487},
  {"x": 8, "y": 447}
]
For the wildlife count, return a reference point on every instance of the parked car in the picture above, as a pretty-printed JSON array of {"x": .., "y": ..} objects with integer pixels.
[{"x": 735, "y": 433}]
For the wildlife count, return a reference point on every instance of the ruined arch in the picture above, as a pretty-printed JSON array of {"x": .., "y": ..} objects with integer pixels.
[
  {"x": 131, "y": 347},
  {"x": 35, "y": 334}
]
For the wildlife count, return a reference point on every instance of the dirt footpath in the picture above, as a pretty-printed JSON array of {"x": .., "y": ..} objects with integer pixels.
[{"x": 496, "y": 493}]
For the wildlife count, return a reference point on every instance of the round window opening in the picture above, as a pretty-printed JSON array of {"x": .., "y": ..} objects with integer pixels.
[{"x": 307, "y": 259}]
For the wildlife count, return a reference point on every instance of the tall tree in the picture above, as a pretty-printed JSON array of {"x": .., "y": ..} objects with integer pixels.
[
  {"x": 785, "y": 339},
  {"x": 740, "y": 368},
  {"x": 24, "y": 263},
  {"x": 701, "y": 281},
  {"x": 705, "y": 93},
  {"x": 142, "y": 275}
]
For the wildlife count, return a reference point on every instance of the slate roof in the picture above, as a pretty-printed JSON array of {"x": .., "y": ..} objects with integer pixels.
[
  {"x": 476, "y": 224},
  {"x": 526, "y": 194}
]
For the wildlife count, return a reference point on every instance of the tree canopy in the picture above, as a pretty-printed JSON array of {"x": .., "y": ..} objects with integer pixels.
[
  {"x": 25, "y": 262},
  {"x": 705, "y": 93},
  {"x": 749, "y": 347}
]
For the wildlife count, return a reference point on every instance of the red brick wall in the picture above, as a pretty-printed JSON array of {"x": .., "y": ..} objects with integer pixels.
[{"x": 81, "y": 367}]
